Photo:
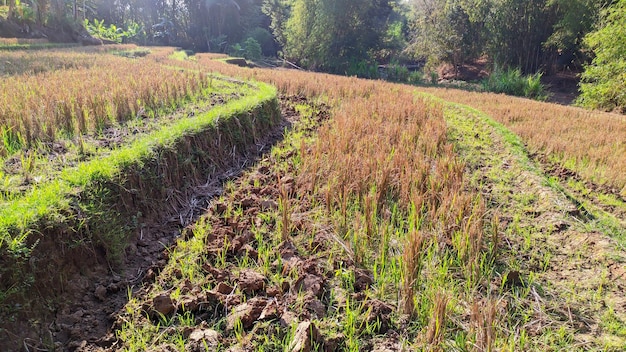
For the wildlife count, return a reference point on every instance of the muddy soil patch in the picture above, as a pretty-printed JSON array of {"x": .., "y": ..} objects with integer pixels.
[{"x": 593, "y": 193}]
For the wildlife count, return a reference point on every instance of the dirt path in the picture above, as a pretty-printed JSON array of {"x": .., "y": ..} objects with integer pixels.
[{"x": 573, "y": 277}]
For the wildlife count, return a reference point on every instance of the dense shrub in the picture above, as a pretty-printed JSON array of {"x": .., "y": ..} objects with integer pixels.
[
  {"x": 363, "y": 69},
  {"x": 512, "y": 82},
  {"x": 416, "y": 77},
  {"x": 251, "y": 49},
  {"x": 397, "y": 73}
]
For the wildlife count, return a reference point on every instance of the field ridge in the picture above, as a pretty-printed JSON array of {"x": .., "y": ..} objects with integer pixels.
[{"x": 572, "y": 270}]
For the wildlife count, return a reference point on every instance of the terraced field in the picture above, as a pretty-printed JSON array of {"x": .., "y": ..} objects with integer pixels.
[{"x": 364, "y": 216}]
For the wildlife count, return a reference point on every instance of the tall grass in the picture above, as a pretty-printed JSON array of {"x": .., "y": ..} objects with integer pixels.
[
  {"x": 512, "y": 82},
  {"x": 590, "y": 143},
  {"x": 91, "y": 93},
  {"x": 382, "y": 170}
]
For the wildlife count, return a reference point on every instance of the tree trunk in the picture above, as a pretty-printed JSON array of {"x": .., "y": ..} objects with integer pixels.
[{"x": 11, "y": 13}]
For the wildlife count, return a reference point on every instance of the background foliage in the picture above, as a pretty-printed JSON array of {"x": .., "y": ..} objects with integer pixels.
[
  {"x": 354, "y": 37},
  {"x": 604, "y": 80}
]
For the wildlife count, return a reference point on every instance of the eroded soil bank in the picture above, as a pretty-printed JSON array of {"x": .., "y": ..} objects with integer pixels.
[{"x": 77, "y": 303}]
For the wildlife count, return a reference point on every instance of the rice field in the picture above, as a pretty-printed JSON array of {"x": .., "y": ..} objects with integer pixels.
[
  {"x": 589, "y": 143},
  {"x": 386, "y": 217}
]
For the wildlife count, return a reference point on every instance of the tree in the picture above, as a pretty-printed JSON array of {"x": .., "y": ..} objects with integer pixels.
[
  {"x": 574, "y": 19},
  {"x": 329, "y": 35},
  {"x": 604, "y": 80},
  {"x": 443, "y": 31},
  {"x": 278, "y": 12},
  {"x": 526, "y": 34}
]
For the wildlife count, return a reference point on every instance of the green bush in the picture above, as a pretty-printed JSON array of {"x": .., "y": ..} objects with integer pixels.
[
  {"x": 248, "y": 49},
  {"x": 265, "y": 39},
  {"x": 97, "y": 28},
  {"x": 416, "y": 77},
  {"x": 363, "y": 69},
  {"x": 512, "y": 82},
  {"x": 251, "y": 49},
  {"x": 397, "y": 73}
]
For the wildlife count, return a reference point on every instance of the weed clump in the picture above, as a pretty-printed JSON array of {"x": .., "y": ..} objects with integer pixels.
[{"x": 512, "y": 82}]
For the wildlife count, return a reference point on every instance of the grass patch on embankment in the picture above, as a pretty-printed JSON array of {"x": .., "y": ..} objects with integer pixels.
[{"x": 98, "y": 202}]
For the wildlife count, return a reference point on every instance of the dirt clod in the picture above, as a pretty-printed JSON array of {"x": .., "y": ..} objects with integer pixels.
[
  {"x": 101, "y": 293},
  {"x": 224, "y": 288},
  {"x": 247, "y": 313},
  {"x": 189, "y": 304},
  {"x": 249, "y": 201},
  {"x": 217, "y": 274},
  {"x": 287, "y": 318},
  {"x": 378, "y": 312},
  {"x": 271, "y": 311},
  {"x": 250, "y": 281},
  {"x": 513, "y": 279},
  {"x": 316, "y": 307},
  {"x": 310, "y": 283},
  {"x": 202, "y": 338},
  {"x": 163, "y": 304},
  {"x": 241, "y": 240},
  {"x": 363, "y": 279},
  {"x": 332, "y": 343},
  {"x": 268, "y": 204},
  {"x": 305, "y": 337}
]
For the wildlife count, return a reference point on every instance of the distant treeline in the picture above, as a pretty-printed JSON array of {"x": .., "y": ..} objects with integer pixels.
[{"x": 354, "y": 36}]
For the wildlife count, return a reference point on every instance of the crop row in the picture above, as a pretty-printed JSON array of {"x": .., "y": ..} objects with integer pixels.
[
  {"x": 102, "y": 91},
  {"x": 382, "y": 180},
  {"x": 590, "y": 143},
  {"x": 32, "y": 62}
]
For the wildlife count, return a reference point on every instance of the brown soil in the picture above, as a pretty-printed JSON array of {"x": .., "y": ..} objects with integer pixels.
[
  {"x": 94, "y": 292},
  {"x": 562, "y": 86},
  {"x": 468, "y": 71}
]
